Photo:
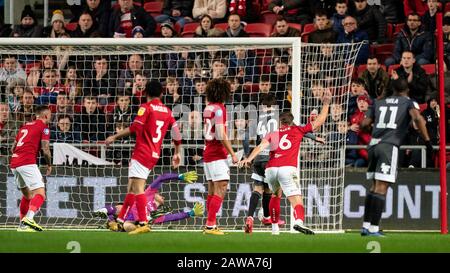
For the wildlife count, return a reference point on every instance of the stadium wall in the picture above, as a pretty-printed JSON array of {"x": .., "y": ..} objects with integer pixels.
[{"x": 412, "y": 203}]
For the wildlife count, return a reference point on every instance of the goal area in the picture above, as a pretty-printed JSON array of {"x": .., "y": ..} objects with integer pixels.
[{"x": 94, "y": 89}]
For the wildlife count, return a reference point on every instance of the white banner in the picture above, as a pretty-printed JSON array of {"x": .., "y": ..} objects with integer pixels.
[{"x": 64, "y": 153}]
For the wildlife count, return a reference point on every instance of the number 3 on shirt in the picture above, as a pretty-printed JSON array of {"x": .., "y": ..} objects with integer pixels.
[
  {"x": 159, "y": 124},
  {"x": 285, "y": 143},
  {"x": 25, "y": 133}
]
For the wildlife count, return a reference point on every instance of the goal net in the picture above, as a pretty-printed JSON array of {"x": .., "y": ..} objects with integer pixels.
[{"x": 94, "y": 88}]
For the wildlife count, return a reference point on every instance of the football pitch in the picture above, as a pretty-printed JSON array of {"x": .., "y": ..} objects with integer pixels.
[{"x": 55, "y": 241}]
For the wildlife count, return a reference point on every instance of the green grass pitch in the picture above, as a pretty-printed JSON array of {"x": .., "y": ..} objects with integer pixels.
[{"x": 53, "y": 241}]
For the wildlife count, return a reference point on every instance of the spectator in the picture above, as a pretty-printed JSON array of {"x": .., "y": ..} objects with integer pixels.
[
  {"x": 102, "y": 81},
  {"x": 73, "y": 85},
  {"x": 168, "y": 30},
  {"x": 375, "y": 78},
  {"x": 138, "y": 32},
  {"x": 429, "y": 19},
  {"x": 280, "y": 79},
  {"x": 392, "y": 11},
  {"x": 124, "y": 111},
  {"x": 86, "y": 28},
  {"x": 352, "y": 34},
  {"x": 126, "y": 16},
  {"x": 363, "y": 138},
  {"x": 198, "y": 99},
  {"x": 57, "y": 25},
  {"x": 431, "y": 115},
  {"x": 242, "y": 65},
  {"x": 101, "y": 12},
  {"x": 418, "y": 81},
  {"x": 357, "y": 89},
  {"x": 139, "y": 83},
  {"x": 341, "y": 12},
  {"x": 413, "y": 38},
  {"x": 219, "y": 68},
  {"x": 282, "y": 29},
  {"x": 7, "y": 133},
  {"x": 64, "y": 131},
  {"x": 235, "y": 27},
  {"x": 446, "y": 30},
  {"x": 176, "y": 11},
  {"x": 28, "y": 25},
  {"x": 370, "y": 20},
  {"x": 189, "y": 74},
  {"x": 172, "y": 95},
  {"x": 193, "y": 133},
  {"x": 63, "y": 107},
  {"x": 324, "y": 32},
  {"x": 91, "y": 122},
  {"x": 206, "y": 28},
  {"x": 26, "y": 111},
  {"x": 216, "y": 9},
  {"x": 50, "y": 89},
  {"x": 135, "y": 64},
  {"x": 14, "y": 91},
  {"x": 415, "y": 6},
  {"x": 296, "y": 11},
  {"x": 11, "y": 69}
]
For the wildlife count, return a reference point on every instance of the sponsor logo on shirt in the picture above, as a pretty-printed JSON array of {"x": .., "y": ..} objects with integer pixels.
[
  {"x": 141, "y": 111},
  {"x": 159, "y": 108},
  {"x": 46, "y": 131}
]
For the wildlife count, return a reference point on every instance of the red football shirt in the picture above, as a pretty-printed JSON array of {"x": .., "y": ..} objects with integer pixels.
[
  {"x": 285, "y": 145},
  {"x": 215, "y": 113},
  {"x": 29, "y": 143},
  {"x": 150, "y": 125}
]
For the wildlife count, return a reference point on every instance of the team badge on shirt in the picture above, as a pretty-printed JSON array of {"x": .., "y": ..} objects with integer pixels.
[
  {"x": 219, "y": 113},
  {"x": 141, "y": 111},
  {"x": 46, "y": 131}
]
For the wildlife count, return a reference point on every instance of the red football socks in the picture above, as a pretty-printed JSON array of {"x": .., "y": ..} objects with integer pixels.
[
  {"x": 214, "y": 206},
  {"x": 141, "y": 206},
  {"x": 127, "y": 203},
  {"x": 299, "y": 212},
  {"x": 274, "y": 207},
  {"x": 36, "y": 202},
  {"x": 24, "y": 203}
]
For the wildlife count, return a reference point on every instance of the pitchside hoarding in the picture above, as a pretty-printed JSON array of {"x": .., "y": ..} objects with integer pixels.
[{"x": 73, "y": 192}]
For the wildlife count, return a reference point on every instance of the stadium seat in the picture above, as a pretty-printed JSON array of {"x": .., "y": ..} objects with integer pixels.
[
  {"x": 447, "y": 7},
  {"x": 71, "y": 26},
  {"x": 265, "y": 4},
  {"x": 258, "y": 30},
  {"x": 190, "y": 27},
  {"x": 153, "y": 8},
  {"x": 222, "y": 26},
  {"x": 423, "y": 106},
  {"x": 157, "y": 30},
  {"x": 392, "y": 67},
  {"x": 296, "y": 26},
  {"x": 308, "y": 28},
  {"x": 430, "y": 69},
  {"x": 382, "y": 51},
  {"x": 268, "y": 17}
]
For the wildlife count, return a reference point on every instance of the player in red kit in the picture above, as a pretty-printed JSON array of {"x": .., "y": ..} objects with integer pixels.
[
  {"x": 150, "y": 126},
  {"x": 217, "y": 148},
  {"x": 281, "y": 170},
  {"x": 32, "y": 137}
]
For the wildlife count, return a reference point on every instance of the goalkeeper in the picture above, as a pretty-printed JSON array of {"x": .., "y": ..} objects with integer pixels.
[{"x": 157, "y": 213}]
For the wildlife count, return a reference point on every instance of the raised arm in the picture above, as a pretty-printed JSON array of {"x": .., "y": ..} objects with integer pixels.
[
  {"x": 156, "y": 184},
  {"x": 45, "y": 146},
  {"x": 247, "y": 162},
  {"x": 322, "y": 117}
]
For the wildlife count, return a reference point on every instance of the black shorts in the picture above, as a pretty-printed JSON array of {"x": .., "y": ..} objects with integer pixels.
[
  {"x": 258, "y": 175},
  {"x": 383, "y": 159}
]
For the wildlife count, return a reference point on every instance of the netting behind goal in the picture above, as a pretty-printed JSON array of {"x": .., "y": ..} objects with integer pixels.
[{"x": 94, "y": 89}]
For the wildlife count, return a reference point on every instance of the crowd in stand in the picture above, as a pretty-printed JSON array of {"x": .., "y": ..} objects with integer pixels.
[{"x": 93, "y": 96}]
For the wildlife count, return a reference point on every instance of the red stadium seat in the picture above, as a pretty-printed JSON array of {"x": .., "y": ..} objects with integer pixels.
[
  {"x": 71, "y": 26},
  {"x": 423, "y": 106},
  {"x": 382, "y": 51},
  {"x": 222, "y": 26},
  {"x": 258, "y": 30},
  {"x": 265, "y": 4},
  {"x": 157, "y": 30},
  {"x": 308, "y": 28},
  {"x": 447, "y": 7},
  {"x": 153, "y": 7},
  {"x": 268, "y": 17},
  {"x": 430, "y": 69},
  {"x": 189, "y": 29}
]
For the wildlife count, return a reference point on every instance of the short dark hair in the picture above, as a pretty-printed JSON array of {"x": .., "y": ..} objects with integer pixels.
[
  {"x": 60, "y": 117},
  {"x": 41, "y": 109},
  {"x": 264, "y": 78},
  {"x": 153, "y": 89},
  {"x": 371, "y": 57},
  {"x": 280, "y": 18},
  {"x": 341, "y": 2},
  {"x": 267, "y": 99},
  {"x": 399, "y": 85},
  {"x": 218, "y": 90},
  {"x": 321, "y": 13},
  {"x": 286, "y": 118},
  {"x": 201, "y": 79}
]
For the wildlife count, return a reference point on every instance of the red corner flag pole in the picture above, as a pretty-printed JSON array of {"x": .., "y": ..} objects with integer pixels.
[{"x": 442, "y": 151}]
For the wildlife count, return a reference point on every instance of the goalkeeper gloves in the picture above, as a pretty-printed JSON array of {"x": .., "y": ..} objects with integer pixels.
[
  {"x": 189, "y": 177},
  {"x": 197, "y": 210}
]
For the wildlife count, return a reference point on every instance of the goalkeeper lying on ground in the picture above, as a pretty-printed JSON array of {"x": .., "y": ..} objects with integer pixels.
[{"x": 157, "y": 213}]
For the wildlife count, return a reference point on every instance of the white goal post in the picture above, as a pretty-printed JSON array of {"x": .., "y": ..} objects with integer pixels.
[{"x": 74, "y": 191}]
